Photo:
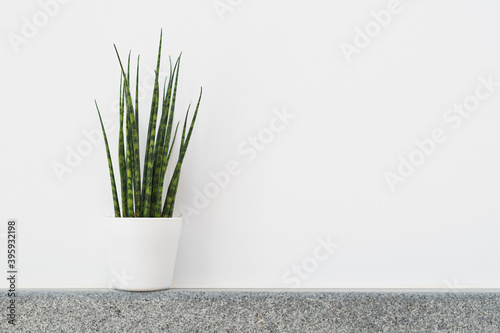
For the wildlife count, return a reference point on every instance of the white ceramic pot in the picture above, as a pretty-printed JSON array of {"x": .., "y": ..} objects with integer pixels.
[{"x": 141, "y": 252}]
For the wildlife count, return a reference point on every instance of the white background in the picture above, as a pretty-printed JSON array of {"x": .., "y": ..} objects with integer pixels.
[{"x": 322, "y": 176}]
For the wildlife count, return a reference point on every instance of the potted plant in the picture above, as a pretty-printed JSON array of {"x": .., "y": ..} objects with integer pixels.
[{"x": 143, "y": 236}]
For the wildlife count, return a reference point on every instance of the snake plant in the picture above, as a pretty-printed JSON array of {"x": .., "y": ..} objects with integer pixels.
[{"x": 143, "y": 197}]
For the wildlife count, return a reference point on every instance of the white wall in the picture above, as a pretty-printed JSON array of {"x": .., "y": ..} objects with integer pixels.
[{"x": 323, "y": 176}]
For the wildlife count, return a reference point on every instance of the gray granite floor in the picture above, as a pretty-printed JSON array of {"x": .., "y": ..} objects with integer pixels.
[{"x": 254, "y": 311}]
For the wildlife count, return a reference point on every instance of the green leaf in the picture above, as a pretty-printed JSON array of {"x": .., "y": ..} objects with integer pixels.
[
  {"x": 172, "y": 106},
  {"x": 137, "y": 169},
  {"x": 121, "y": 151},
  {"x": 129, "y": 164},
  {"x": 162, "y": 144},
  {"x": 168, "y": 209},
  {"x": 173, "y": 142},
  {"x": 137, "y": 97},
  {"x": 147, "y": 189},
  {"x": 116, "y": 204},
  {"x": 134, "y": 149},
  {"x": 130, "y": 160},
  {"x": 186, "y": 143}
]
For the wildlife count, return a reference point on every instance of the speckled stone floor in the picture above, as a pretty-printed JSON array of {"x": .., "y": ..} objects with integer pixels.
[{"x": 103, "y": 310}]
